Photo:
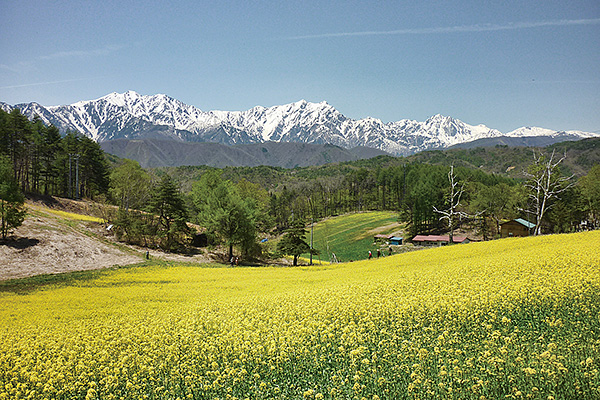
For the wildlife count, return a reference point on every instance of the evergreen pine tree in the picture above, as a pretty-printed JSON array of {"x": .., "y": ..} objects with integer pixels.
[
  {"x": 168, "y": 205},
  {"x": 12, "y": 208},
  {"x": 293, "y": 243}
]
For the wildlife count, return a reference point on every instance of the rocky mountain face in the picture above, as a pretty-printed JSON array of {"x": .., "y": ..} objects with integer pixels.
[{"x": 133, "y": 116}]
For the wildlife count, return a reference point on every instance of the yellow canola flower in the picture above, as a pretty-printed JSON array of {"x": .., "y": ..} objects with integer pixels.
[
  {"x": 67, "y": 215},
  {"x": 464, "y": 321}
]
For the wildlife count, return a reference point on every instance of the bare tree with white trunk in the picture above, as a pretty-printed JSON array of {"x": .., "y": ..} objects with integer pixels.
[
  {"x": 545, "y": 184},
  {"x": 452, "y": 214}
]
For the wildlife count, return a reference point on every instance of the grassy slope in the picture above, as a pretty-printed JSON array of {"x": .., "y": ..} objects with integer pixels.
[{"x": 350, "y": 236}]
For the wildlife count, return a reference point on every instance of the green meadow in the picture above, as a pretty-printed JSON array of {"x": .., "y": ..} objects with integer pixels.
[{"x": 350, "y": 237}]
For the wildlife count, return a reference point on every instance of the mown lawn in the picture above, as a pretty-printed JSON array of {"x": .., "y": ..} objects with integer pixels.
[{"x": 350, "y": 236}]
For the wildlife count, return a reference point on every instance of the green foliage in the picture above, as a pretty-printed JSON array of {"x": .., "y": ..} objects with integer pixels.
[
  {"x": 135, "y": 227},
  {"x": 293, "y": 243},
  {"x": 223, "y": 212},
  {"x": 566, "y": 212},
  {"x": 169, "y": 207},
  {"x": 493, "y": 203},
  {"x": 12, "y": 208},
  {"x": 257, "y": 200},
  {"x": 589, "y": 186},
  {"x": 129, "y": 185}
]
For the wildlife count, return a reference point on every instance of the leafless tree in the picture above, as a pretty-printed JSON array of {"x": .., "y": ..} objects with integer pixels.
[
  {"x": 545, "y": 184},
  {"x": 452, "y": 214}
]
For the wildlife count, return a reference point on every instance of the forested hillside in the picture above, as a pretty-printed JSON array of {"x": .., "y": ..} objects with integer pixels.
[
  {"x": 161, "y": 153},
  {"x": 582, "y": 155},
  {"x": 556, "y": 189},
  {"x": 44, "y": 162}
]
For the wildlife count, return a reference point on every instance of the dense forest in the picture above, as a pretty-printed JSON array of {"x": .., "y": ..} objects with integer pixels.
[
  {"x": 45, "y": 162},
  {"x": 238, "y": 205}
]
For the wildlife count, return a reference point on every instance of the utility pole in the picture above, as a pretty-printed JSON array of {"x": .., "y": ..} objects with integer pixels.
[
  {"x": 73, "y": 192},
  {"x": 69, "y": 190},
  {"x": 77, "y": 177}
]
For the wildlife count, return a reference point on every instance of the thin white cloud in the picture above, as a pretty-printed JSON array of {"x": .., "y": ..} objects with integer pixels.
[
  {"x": 456, "y": 29},
  {"x": 32, "y": 65},
  {"x": 16, "y": 68},
  {"x": 103, "y": 51},
  {"x": 43, "y": 83}
]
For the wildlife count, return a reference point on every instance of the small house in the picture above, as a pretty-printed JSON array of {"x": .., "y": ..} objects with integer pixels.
[
  {"x": 516, "y": 227},
  {"x": 395, "y": 241},
  {"x": 438, "y": 240}
]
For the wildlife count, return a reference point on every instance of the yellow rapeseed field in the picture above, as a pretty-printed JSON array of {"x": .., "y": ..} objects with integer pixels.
[{"x": 514, "y": 318}]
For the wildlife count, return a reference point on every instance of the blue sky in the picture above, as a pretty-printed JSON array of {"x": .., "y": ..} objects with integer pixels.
[{"x": 505, "y": 64}]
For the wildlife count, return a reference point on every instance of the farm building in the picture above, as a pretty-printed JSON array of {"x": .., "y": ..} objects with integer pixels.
[
  {"x": 438, "y": 240},
  {"x": 395, "y": 241},
  {"x": 515, "y": 227},
  {"x": 382, "y": 238}
]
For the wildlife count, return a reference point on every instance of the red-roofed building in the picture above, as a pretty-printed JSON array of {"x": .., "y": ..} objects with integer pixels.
[{"x": 438, "y": 240}]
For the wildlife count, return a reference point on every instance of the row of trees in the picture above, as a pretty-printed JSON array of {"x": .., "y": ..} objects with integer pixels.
[{"x": 44, "y": 162}]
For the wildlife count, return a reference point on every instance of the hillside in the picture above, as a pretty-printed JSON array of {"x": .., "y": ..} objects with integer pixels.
[
  {"x": 62, "y": 235},
  {"x": 53, "y": 240},
  {"x": 512, "y": 161},
  {"x": 502, "y": 161},
  {"x": 350, "y": 237},
  {"x": 526, "y": 141},
  {"x": 170, "y": 153}
]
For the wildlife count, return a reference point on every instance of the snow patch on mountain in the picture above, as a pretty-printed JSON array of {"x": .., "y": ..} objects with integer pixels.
[{"x": 131, "y": 115}]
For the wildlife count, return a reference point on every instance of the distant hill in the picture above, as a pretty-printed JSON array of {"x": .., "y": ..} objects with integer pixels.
[
  {"x": 582, "y": 155},
  {"x": 526, "y": 141},
  {"x": 152, "y": 153},
  {"x": 500, "y": 160}
]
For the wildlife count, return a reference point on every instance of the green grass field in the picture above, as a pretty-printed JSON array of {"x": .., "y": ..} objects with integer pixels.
[{"x": 350, "y": 236}]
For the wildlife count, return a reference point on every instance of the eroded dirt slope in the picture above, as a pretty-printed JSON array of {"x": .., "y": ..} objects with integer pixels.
[{"x": 49, "y": 244}]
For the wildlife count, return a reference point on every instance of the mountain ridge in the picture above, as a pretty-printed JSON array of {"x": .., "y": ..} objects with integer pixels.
[
  {"x": 170, "y": 153},
  {"x": 130, "y": 115}
]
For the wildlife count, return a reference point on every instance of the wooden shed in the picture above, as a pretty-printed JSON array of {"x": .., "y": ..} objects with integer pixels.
[
  {"x": 396, "y": 240},
  {"x": 516, "y": 227}
]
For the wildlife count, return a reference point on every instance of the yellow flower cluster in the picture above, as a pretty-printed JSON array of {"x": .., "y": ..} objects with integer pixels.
[
  {"x": 65, "y": 214},
  {"x": 514, "y": 318}
]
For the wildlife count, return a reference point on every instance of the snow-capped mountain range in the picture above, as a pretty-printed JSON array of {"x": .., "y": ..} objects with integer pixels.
[{"x": 130, "y": 115}]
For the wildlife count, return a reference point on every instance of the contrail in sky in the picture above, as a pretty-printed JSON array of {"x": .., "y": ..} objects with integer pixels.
[
  {"x": 456, "y": 29},
  {"x": 103, "y": 51},
  {"x": 43, "y": 83}
]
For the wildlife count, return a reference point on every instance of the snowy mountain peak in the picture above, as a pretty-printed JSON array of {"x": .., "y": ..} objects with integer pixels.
[
  {"x": 114, "y": 98},
  {"x": 132, "y": 115},
  {"x": 437, "y": 118}
]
